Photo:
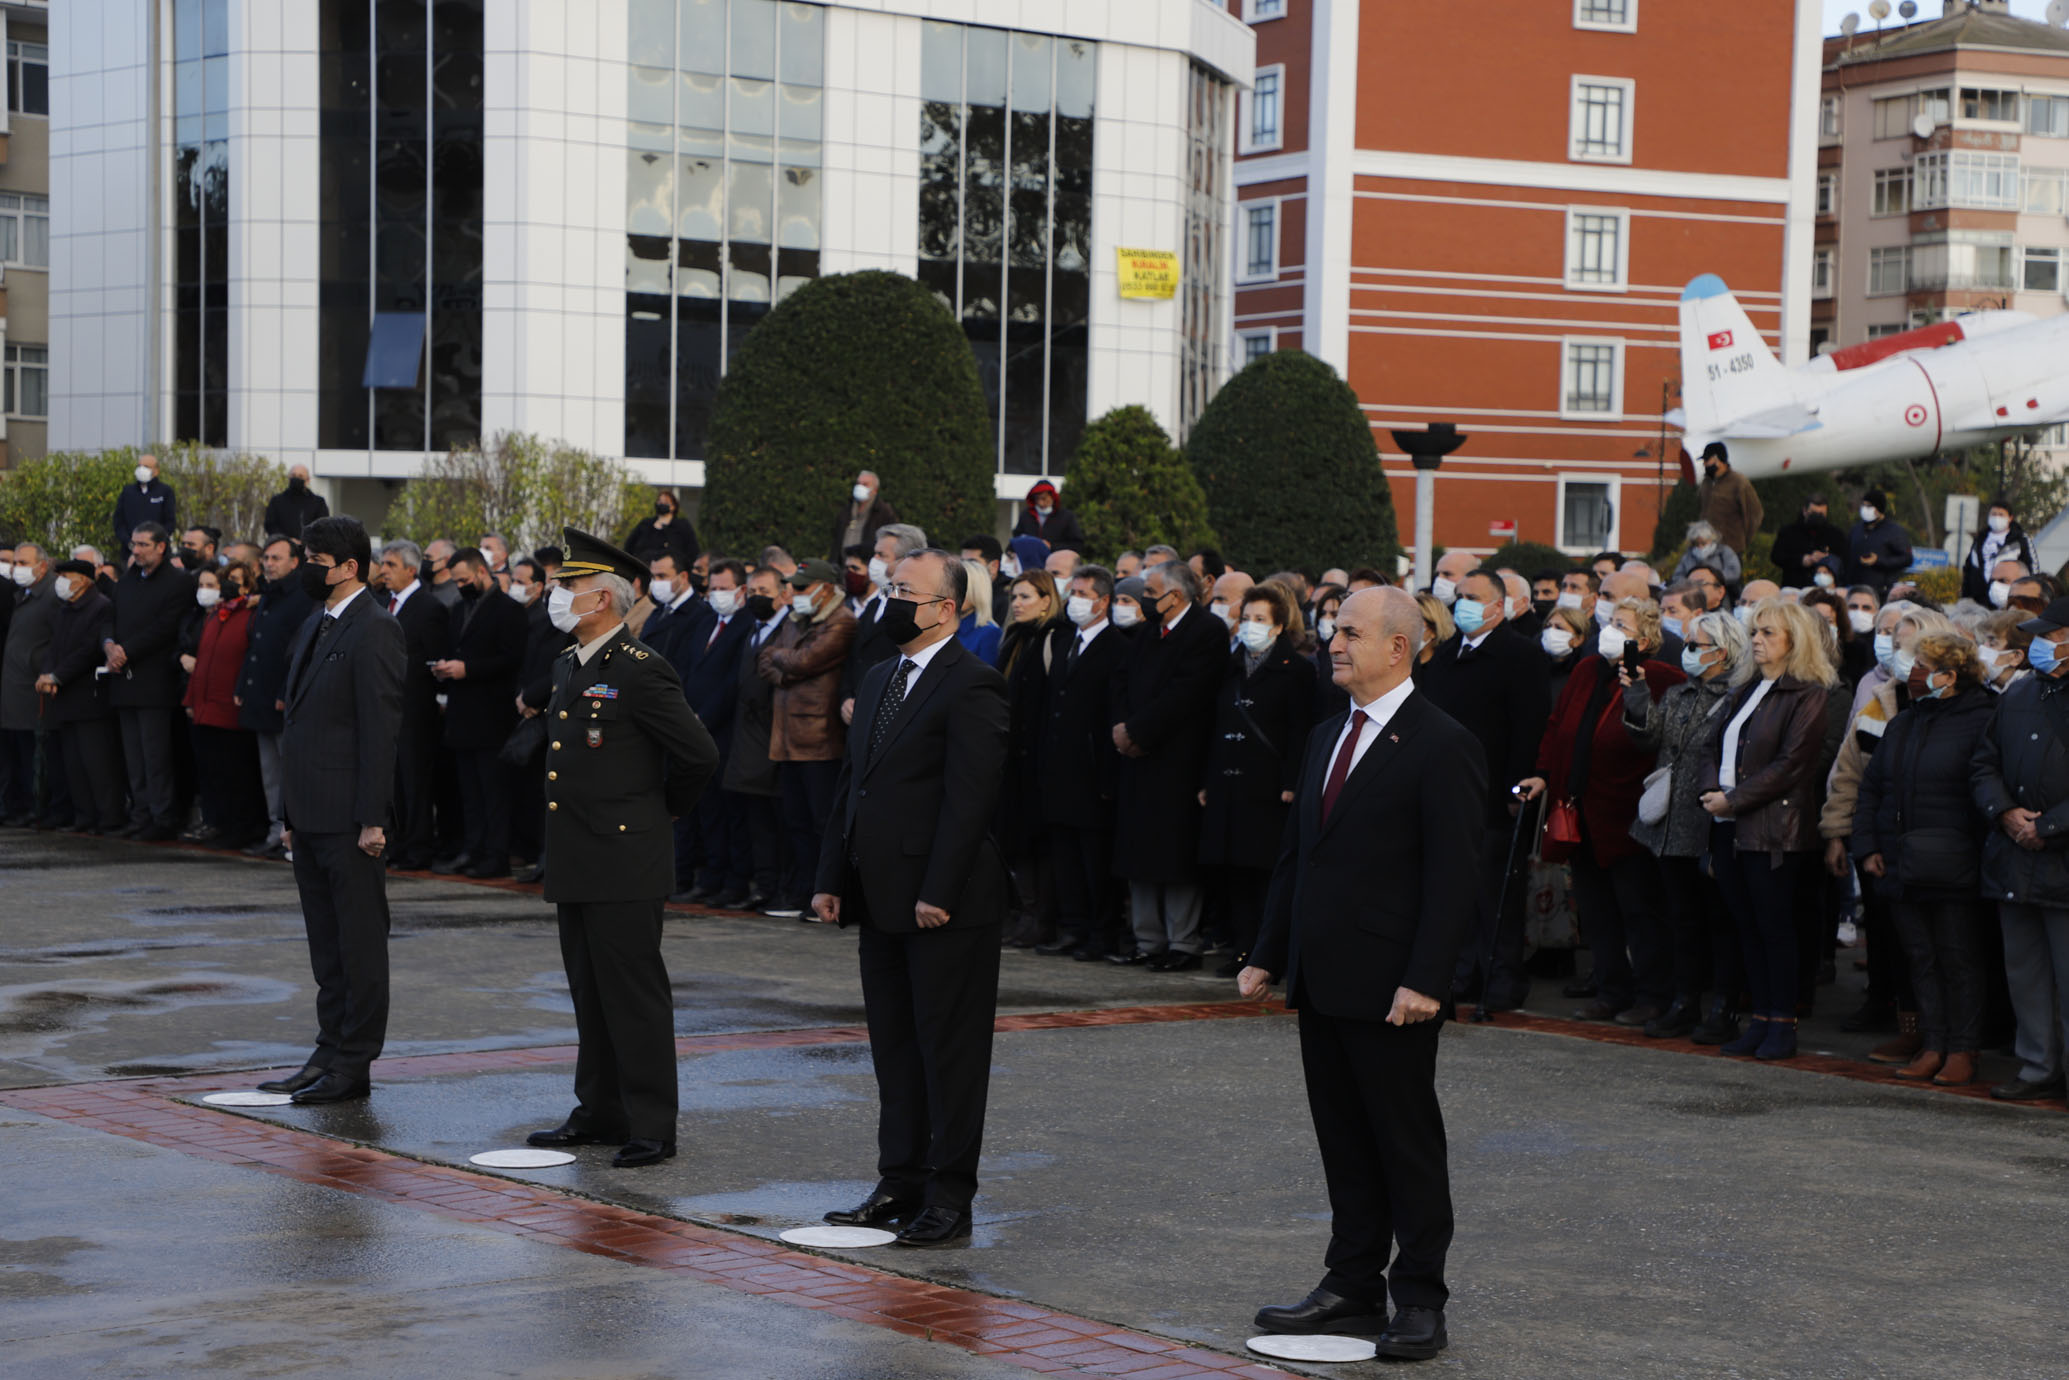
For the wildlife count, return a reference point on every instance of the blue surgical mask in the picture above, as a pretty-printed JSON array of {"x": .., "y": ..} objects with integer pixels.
[
  {"x": 1672, "y": 627},
  {"x": 1885, "y": 650},
  {"x": 1692, "y": 662},
  {"x": 1470, "y": 615},
  {"x": 2044, "y": 656}
]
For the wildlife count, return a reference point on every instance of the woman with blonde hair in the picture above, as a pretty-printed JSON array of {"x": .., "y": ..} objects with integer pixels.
[
  {"x": 1437, "y": 626},
  {"x": 1760, "y": 789},
  {"x": 978, "y": 634}
]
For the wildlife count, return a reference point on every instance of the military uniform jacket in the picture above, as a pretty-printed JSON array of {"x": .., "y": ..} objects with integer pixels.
[{"x": 624, "y": 755}]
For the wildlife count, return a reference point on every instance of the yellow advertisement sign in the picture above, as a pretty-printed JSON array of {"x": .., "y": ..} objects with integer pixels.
[{"x": 1148, "y": 273}]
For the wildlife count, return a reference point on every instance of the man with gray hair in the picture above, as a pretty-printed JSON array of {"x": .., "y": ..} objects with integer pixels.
[
  {"x": 439, "y": 553},
  {"x": 424, "y": 626},
  {"x": 894, "y": 542},
  {"x": 1164, "y": 695}
]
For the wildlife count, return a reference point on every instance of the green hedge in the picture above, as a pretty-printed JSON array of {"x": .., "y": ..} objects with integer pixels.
[
  {"x": 1131, "y": 488},
  {"x": 1526, "y": 558},
  {"x": 67, "y": 498},
  {"x": 859, "y": 371},
  {"x": 1292, "y": 478}
]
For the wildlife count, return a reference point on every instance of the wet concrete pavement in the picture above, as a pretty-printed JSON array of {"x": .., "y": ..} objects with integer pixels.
[{"x": 1622, "y": 1212}]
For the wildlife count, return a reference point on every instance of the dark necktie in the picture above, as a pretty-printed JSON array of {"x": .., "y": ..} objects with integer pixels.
[
  {"x": 391, "y": 603},
  {"x": 1070, "y": 662},
  {"x": 325, "y": 622},
  {"x": 1342, "y": 768},
  {"x": 888, "y": 707}
]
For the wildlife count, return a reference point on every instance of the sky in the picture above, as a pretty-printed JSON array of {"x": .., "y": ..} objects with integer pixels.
[{"x": 1836, "y": 10}]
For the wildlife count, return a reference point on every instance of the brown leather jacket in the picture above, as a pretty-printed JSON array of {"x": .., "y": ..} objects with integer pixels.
[
  {"x": 803, "y": 661},
  {"x": 1778, "y": 793}
]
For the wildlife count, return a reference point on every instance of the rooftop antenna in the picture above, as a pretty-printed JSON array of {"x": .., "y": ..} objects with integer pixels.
[
  {"x": 1878, "y": 10},
  {"x": 1851, "y": 25},
  {"x": 2058, "y": 13},
  {"x": 1908, "y": 10}
]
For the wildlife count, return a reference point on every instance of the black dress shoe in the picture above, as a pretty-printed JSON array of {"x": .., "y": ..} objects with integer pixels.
[
  {"x": 732, "y": 900},
  {"x": 206, "y": 833},
  {"x": 264, "y": 848},
  {"x": 568, "y": 1133},
  {"x": 333, "y": 1087},
  {"x": 1131, "y": 960},
  {"x": 1676, "y": 1022},
  {"x": 643, "y": 1152},
  {"x": 296, "y": 1081},
  {"x": 2024, "y": 1090},
  {"x": 936, "y": 1228},
  {"x": 129, "y": 831},
  {"x": 1580, "y": 989},
  {"x": 1087, "y": 954},
  {"x": 1870, "y": 1016},
  {"x": 877, "y": 1210},
  {"x": 1175, "y": 962},
  {"x": 1415, "y": 1334},
  {"x": 754, "y": 900},
  {"x": 1322, "y": 1311},
  {"x": 1057, "y": 947},
  {"x": 486, "y": 872},
  {"x": 446, "y": 867},
  {"x": 153, "y": 833}
]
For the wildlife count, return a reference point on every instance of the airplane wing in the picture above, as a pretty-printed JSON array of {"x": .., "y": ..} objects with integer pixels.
[
  {"x": 1776, "y": 422},
  {"x": 2040, "y": 406}
]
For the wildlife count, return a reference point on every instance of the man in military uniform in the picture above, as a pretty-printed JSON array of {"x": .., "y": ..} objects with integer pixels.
[{"x": 624, "y": 756}]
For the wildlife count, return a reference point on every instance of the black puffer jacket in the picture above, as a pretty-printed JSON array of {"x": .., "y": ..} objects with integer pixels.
[
  {"x": 1915, "y": 806},
  {"x": 2022, "y": 762}
]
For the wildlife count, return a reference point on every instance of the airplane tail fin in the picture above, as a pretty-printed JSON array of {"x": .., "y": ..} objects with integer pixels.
[{"x": 1727, "y": 371}]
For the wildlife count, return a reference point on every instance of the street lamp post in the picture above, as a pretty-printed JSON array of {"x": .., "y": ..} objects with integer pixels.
[{"x": 1427, "y": 450}]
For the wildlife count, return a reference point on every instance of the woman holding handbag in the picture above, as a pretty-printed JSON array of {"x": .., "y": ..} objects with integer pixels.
[
  {"x": 1595, "y": 770},
  {"x": 1682, "y": 725}
]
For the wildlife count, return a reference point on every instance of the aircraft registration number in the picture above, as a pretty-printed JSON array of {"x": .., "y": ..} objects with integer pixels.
[{"x": 1737, "y": 364}]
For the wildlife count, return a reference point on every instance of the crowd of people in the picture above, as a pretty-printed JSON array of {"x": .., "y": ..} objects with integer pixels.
[{"x": 1734, "y": 772}]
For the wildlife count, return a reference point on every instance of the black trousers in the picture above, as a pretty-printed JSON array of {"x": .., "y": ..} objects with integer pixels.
[
  {"x": 1699, "y": 930},
  {"x": 1762, "y": 897},
  {"x": 416, "y": 756},
  {"x": 931, "y": 998},
  {"x": 1943, "y": 939},
  {"x": 227, "y": 763},
  {"x": 624, "y": 1014},
  {"x": 1372, "y": 1090},
  {"x": 763, "y": 819},
  {"x": 92, "y": 752},
  {"x": 807, "y": 805},
  {"x": 1620, "y": 918},
  {"x": 728, "y": 855},
  {"x": 451, "y": 816},
  {"x": 17, "y": 771},
  {"x": 345, "y": 910},
  {"x": 147, "y": 754},
  {"x": 1508, "y": 983},
  {"x": 1242, "y": 891},
  {"x": 1081, "y": 867},
  {"x": 485, "y": 805},
  {"x": 1889, "y": 972},
  {"x": 527, "y": 787}
]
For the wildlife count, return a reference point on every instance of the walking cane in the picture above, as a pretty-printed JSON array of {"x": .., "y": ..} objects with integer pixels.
[{"x": 1480, "y": 1014}]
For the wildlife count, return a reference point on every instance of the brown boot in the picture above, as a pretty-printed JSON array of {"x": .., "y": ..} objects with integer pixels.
[
  {"x": 1959, "y": 1070},
  {"x": 1924, "y": 1066},
  {"x": 1904, "y": 1048}
]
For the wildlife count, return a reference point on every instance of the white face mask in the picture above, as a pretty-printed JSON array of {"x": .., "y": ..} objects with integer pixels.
[
  {"x": 2000, "y": 524},
  {"x": 662, "y": 592},
  {"x": 1325, "y": 628},
  {"x": 1863, "y": 621},
  {"x": 208, "y": 598},
  {"x": 64, "y": 586},
  {"x": 560, "y": 609},
  {"x": 143, "y": 474},
  {"x": 861, "y": 493},
  {"x": 1045, "y": 508},
  {"x": 879, "y": 573},
  {"x": 23, "y": 575},
  {"x": 1610, "y": 642},
  {"x": 1126, "y": 615},
  {"x": 1443, "y": 590},
  {"x": 1078, "y": 608},
  {"x": 1556, "y": 641},
  {"x": 1867, "y": 514},
  {"x": 801, "y": 603},
  {"x": 2000, "y": 591},
  {"x": 521, "y": 593},
  {"x": 1256, "y": 636},
  {"x": 1823, "y": 579},
  {"x": 1009, "y": 566},
  {"x": 1568, "y": 600},
  {"x": 724, "y": 602},
  {"x": 1992, "y": 658},
  {"x": 1603, "y": 613},
  {"x": 1220, "y": 610}
]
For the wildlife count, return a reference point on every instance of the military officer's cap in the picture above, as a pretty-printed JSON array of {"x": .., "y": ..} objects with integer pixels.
[
  {"x": 815, "y": 573},
  {"x": 587, "y": 555}
]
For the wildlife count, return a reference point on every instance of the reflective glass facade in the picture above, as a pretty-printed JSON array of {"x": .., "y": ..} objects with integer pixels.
[
  {"x": 723, "y": 198},
  {"x": 1006, "y": 223},
  {"x": 401, "y": 212},
  {"x": 1203, "y": 276},
  {"x": 201, "y": 221}
]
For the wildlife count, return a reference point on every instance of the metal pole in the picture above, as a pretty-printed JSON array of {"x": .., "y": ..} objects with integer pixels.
[{"x": 1425, "y": 522}]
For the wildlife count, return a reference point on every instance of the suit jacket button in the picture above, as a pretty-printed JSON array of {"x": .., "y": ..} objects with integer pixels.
[
  {"x": 553, "y": 776},
  {"x": 563, "y": 713},
  {"x": 553, "y": 804},
  {"x": 863, "y": 793},
  {"x": 621, "y": 828},
  {"x": 556, "y": 747}
]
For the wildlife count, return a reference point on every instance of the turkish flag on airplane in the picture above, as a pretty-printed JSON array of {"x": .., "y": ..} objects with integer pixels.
[{"x": 1721, "y": 340}]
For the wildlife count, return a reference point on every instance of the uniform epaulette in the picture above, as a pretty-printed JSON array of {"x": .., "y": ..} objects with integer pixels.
[{"x": 634, "y": 649}]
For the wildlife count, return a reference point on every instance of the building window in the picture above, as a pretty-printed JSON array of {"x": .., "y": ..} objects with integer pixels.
[
  {"x": 1820, "y": 341},
  {"x": 2043, "y": 192},
  {"x": 1980, "y": 181},
  {"x": 1828, "y": 116},
  {"x": 1888, "y": 269},
  {"x": 1895, "y": 115},
  {"x": 1587, "y": 514},
  {"x": 2041, "y": 270},
  {"x": 1617, "y": 16},
  {"x": 201, "y": 225},
  {"x": 1828, "y": 194},
  {"x": 1257, "y": 11},
  {"x": 24, "y": 231},
  {"x": 28, "y": 381},
  {"x": 1264, "y": 119},
  {"x": 1971, "y": 261},
  {"x": 1886, "y": 329},
  {"x": 1260, "y": 241},
  {"x": 2048, "y": 116},
  {"x": 1821, "y": 271},
  {"x": 1202, "y": 284},
  {"x": 1255, "y": 345},
  {"x": 1892, "y": 192},
  {"x": 1988, "y": 104},
  {"x": 28, "y": 78},
  {"x": 1593, "y": 378},
  {"x": 1597, "y": 248},
  {"x": 1005, "y": 224},
  {"x": 1601, "y": 119}
]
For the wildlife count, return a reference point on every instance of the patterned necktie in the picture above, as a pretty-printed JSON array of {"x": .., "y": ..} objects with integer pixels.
[
  {"x": 325, "y": 622},
  {"x": 888, "y": 707}
]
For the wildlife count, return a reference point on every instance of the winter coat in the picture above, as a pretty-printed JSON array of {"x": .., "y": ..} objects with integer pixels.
[
  {"x": 1864, "y": 735},
  {"x": 1060, "y": 530},
  {"x": 1975, "y": 575},
  {"x": 748, "y": 768},
  {"x": 979, "y": 640},
  {"x": 1889, "y": 543},
  {"x": 1776, "y": 799},
  {"x": 1497, "y": 692},
  {"x": 2022, "y": 762},
  {"x": 1039, "y": 656},
  {"x": 880, "y": 513},
  {"x": 1729, "y": 504},
  {"x": 141, "y": 503},
  {"x": 1723, "y": 560},
  {"x": 218, "y": 663},
  {"x": 1617, "y": 763},
  {"x": 1917, "y": 808},
  {"x": 1800, "y": 538},
  {"x": 1164, "y": 691},
  {"x": 71, "y": 656},
  {"x": 1262, "y": 720},
  {"x": 650, "y": 541},
  {"x": 804, "y": 664},
  {"x": 28, "y": 635},
  {"x": 282, "y": 609},
  {"x": 292, "y": 509},
  {"x": 1682, "y": 726},
  {"x": 148, "y": 614}
]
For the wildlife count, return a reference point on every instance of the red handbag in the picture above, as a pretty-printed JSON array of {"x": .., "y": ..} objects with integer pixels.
[{"x": 1562, "y": 832}]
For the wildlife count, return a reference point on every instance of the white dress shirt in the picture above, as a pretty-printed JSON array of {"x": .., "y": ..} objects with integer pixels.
[
  {"x": 1379, "y": 712},
  {"x": 402, "y": 595}
]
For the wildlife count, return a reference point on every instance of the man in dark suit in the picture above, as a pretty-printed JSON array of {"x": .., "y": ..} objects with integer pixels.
[
  {"x": 296, "y": 506},
  {"x": 486, "y": 637},
  {"x": 1376, "y": 887},
  {"x": 1164, "y": 706},
  {"x": 907, "y": 856},
  {"x": 1496, "y": 684},
  {"x": 262, "y": 684},
  {"x": 337, "y": 752},
  {"x": 1078, "y": 769},
  {"x": 678, "y": 621},
  {"x": 150, "y": 499},
  {"x": 143, "y": 653},
  {"x": 751, "y": 788},
  {"x": 871, "y": 646},
  {"x": 708, "y": 659},
  {"x": 624, "y": 754},
  {"x": 34, "y": 614},
  {"x": 424, "y": 630}
]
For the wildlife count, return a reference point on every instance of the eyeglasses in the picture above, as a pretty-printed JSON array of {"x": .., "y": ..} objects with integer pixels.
[{"x": 908, "y": 593}]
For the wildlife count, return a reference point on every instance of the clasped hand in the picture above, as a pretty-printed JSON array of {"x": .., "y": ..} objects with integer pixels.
[
  {"x": 1410, "y": 1006},
  {"x": 2023, "y": 826}
]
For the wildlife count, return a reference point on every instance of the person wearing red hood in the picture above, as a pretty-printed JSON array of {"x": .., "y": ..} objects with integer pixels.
[{"x": 1047, "y": 518}]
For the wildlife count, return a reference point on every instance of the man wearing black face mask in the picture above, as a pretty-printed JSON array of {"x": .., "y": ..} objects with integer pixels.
[
  {"x": 1802, "y": 546},
  {"x": 1726, "y": 499},
  {"x": 479, "y": 679},
  {"x": 908, "y": 857},
  {"x": 296, "y": 506},
  {"x": 666, "y": 533}
]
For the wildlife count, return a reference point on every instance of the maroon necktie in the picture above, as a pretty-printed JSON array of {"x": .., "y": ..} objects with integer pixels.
[
  {"x": 716, "y": 629},
  {"x": 391, "y": 603},
  {"x": 1342, "y": 769}
]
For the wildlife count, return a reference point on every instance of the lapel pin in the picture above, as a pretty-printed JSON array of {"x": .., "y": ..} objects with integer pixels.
[{"x": 1393, "y": 737}]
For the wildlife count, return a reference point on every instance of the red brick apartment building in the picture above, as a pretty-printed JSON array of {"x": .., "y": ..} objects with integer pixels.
[{"x": 1485, "y": 214}]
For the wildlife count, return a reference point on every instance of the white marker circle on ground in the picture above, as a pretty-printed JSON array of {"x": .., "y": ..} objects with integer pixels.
[
  {"x": 247, "y": 1099},
  {"x": 521, "y": 1159},
  {"x": 849, "y": 1238},
  {"x": 1320, "y": 1347}
]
